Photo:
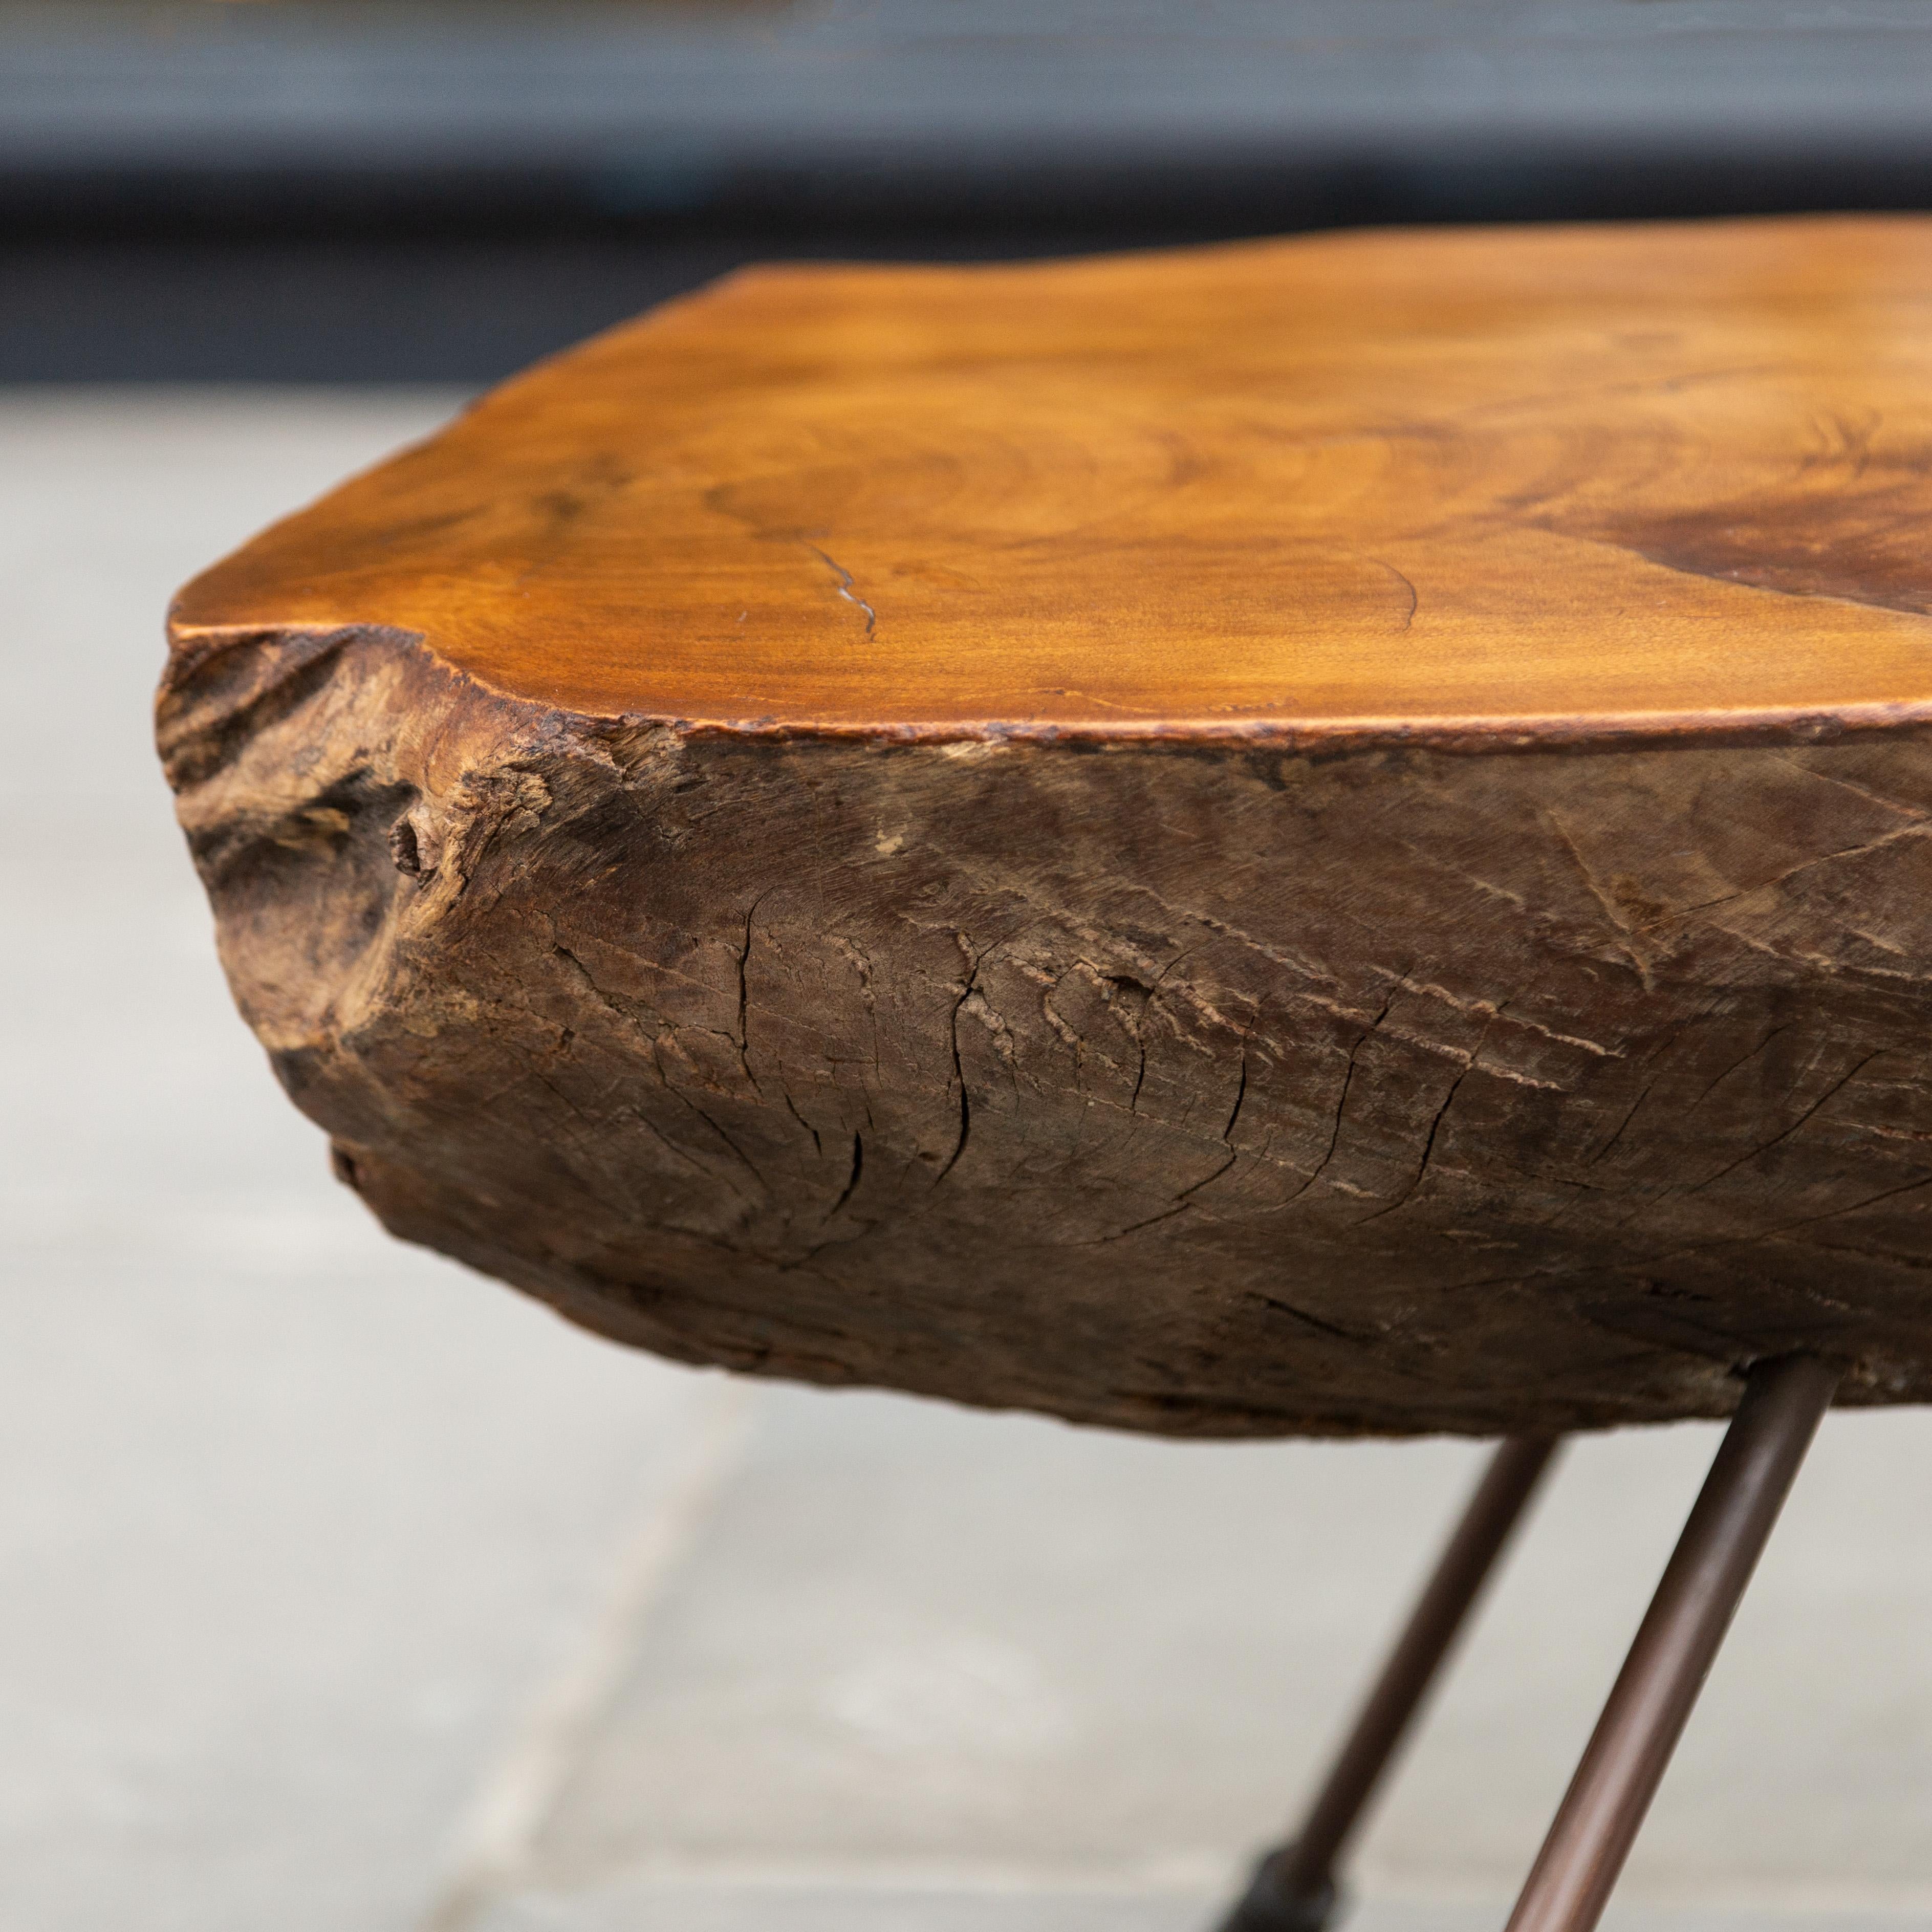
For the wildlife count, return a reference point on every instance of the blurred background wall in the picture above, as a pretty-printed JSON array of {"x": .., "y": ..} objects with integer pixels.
[{"x": 412, "y": 191}]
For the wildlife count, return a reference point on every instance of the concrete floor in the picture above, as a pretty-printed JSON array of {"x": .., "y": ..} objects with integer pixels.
[{"x": 339, "y": 1589}]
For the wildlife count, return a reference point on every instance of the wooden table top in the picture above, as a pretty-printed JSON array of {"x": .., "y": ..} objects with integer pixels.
[
  {"x": 1564, "y": 481},
  {"x": 1209, "y": 1086}
]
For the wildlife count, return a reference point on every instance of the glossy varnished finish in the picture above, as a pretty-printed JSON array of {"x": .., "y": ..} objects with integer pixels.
[
  {"x": 1325, "y": 835},
  {"x": 1497, "y": 481}
]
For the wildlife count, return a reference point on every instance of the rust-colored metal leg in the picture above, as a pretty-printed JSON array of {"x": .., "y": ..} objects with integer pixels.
[
  {"x": 1675, "y": 1645},
  {"x": 1293, "y": 1888}
]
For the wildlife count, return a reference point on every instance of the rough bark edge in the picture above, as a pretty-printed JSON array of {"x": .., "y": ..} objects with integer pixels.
[{"x": 220, "y": 681}]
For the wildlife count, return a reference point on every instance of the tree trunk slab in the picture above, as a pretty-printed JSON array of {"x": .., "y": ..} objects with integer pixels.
[{"x": 1325, "y": 836}]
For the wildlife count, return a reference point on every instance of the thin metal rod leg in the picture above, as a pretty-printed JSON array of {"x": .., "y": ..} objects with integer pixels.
[
  {"x": 1678, "y": 1641},
  {"x": 1294, "y": 1887}
]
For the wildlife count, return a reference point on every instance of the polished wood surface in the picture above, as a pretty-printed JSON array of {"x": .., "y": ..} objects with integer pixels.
[
  {"x": 1526, "y": 481},
  {"x": 1320, "y": 836}
]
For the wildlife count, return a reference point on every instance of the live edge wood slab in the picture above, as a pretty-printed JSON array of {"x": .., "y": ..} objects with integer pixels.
[{"x": 1324, "y": 836}]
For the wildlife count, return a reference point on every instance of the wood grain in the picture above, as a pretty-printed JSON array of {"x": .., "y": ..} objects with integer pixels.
[
  {"x": 1431, "y": 479},
  {"x": 1317, "y": 835}
]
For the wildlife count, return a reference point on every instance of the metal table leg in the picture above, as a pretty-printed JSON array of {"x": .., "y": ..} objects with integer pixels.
[
  {"x": 1597, "y": 1822},
  {"x": 1294, "y": 1887}
]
